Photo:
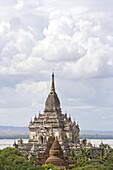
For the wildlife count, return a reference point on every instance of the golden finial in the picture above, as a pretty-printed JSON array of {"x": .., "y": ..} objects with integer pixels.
[
  {"x": 52, "y": 85},
  {"x": 31, "y": 121},
  {"x": 74, "y": 122},
  {"x": 69, "y": 117},
  {"x": 35, "y": 118}
]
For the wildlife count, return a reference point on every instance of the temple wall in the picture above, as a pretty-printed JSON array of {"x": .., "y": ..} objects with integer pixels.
[{"x": 32, "y": 135}]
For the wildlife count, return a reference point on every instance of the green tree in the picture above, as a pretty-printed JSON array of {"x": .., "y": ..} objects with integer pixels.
[
  {"x": 102, "y": 153},
  {"x": 80, "y": 163},
  {"x": 13, "y": 159},
  {"x": 72, "y": 153},
  {"x": 50, "y": 166}
]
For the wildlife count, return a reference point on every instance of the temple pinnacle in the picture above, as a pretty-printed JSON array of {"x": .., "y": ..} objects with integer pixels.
[{"x": 52, "y": 85}]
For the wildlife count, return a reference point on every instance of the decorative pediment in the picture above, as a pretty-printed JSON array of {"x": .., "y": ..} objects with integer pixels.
[{"x": 41, "y": 130}]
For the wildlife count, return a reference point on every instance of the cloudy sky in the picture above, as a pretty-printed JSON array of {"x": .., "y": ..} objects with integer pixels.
[{"x": 74, "y": 37}]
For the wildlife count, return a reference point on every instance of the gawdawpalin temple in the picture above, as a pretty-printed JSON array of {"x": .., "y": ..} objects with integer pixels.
[
  {"x": 66, "y": 130},
  {"x": 52, "y": 135},
  {"x": 63, "y": 127}
]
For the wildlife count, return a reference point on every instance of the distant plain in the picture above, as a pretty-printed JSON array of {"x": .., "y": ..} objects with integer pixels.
[{"x": 11, "y": 132}]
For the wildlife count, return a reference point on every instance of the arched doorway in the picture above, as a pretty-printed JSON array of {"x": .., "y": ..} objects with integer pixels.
[{"x": 41, "y": 139}]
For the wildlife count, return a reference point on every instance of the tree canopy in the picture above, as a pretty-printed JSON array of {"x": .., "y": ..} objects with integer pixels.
[{"x": 13, "y": 159}]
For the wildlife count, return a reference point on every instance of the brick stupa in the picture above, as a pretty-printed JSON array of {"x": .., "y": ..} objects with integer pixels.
[{"x": 56, "y": 156}]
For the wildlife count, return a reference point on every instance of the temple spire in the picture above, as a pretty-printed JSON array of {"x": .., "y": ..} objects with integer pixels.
[{"x": 52, "y": 85}]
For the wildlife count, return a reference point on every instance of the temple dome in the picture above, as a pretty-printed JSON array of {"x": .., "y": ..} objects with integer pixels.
[
  {"x": 56, "y": 155},
  {"x": 52, "y": 102}
]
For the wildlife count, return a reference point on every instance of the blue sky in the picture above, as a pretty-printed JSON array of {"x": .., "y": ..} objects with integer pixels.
[{"x": 74, "y": 37}]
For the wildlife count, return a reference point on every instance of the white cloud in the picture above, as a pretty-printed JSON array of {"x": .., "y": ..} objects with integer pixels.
[
  {"x": 25, "y": 5},
  {"x": 74, "y": 37},
  {"x": 23, "y": 95}
]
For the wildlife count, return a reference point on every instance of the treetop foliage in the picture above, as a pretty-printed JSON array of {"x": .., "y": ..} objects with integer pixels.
[{"x": 13, "y": 159}]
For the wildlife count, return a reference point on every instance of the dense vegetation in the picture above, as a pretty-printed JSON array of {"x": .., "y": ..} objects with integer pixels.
[
  {"x": 12, "y": 159},
  {"x": 104, "y": 161}
]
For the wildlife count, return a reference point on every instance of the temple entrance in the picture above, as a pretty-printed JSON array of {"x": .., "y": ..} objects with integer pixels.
[{"x": 41, "y": 139}]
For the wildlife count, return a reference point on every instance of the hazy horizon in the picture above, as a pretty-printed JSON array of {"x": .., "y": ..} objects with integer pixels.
[{"x": 81, "y": 130}]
